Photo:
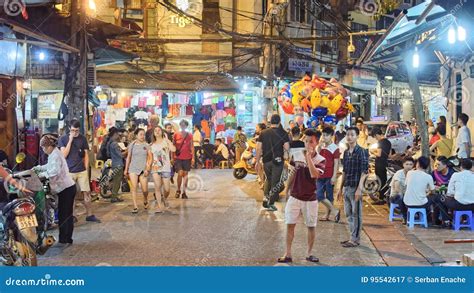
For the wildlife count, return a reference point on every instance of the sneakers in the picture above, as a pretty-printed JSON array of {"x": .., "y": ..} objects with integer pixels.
[
  {"x": 93, "y": 218},
  {"x": 272, "y": 208},
  {"x": 265, "y": 204}
]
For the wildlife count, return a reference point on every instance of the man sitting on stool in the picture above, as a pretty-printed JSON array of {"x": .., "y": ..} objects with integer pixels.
[
  {"x": 221, "y": 153},
  {"x": 460, "y": 195},
  {"x": 207, "y": 150}
]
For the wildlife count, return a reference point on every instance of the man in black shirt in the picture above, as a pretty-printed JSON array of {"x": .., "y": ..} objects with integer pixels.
[
  {"x": 272, "y": 146},
  {"x": 383, "y": 151}
]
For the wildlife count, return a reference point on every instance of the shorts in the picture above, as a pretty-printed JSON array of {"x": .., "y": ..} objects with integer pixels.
[
  {"x": 82, "y": 180},
  {"x": 295, "y": 207},
  {"x": 163, "y": 174},
  {"x": 182, "y": 165}
]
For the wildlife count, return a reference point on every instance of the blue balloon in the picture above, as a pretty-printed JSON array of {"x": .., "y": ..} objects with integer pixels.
[
  {"x": 330, "y": 119},
  {"x": 319, "y": 112},
  {"x": 311, "y": 120}
]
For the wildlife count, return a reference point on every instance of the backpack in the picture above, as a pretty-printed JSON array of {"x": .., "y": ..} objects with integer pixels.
[{"x": 104, "y": 154}]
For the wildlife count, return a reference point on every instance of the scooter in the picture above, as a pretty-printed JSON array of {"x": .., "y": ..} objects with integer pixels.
[
  {"x": 23, "y": 224},
  {"x": 245, "y": 165}
]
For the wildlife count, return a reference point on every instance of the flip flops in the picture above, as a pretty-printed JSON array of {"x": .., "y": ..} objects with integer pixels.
[
  {"x": 350, "y": 244},
  {"x": 312, "y": 258},
  {"x": 285, "y": 259}
]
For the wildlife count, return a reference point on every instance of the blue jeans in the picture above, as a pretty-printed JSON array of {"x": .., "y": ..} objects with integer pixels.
[
  {"x": 353, "y": 211},
  {"x": 324, "y": 189}
]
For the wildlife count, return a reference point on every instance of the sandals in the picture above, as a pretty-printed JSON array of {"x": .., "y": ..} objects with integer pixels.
[
  {"x": 145, "y": 204},
  {"x": 337, "y": 217},
  {"x": 135, "y": 211},
  {"x": 312, "y": 258},
  {"x": 184, "y": 196},
  {"x": 285, "y": 259},
  {"x": 350, "y": 244},
  {"x": 178, "y": 193},
  {"x": 158, "y": 211},
  {"x": 325, "y": 219}
]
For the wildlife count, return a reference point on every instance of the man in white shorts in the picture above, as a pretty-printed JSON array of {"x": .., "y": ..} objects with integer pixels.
[{"x": 303, "y": 201}]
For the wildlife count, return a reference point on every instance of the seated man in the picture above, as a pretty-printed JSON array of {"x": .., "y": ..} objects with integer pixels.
[
  {"x": 398, "y": 184},
  {"x": 221, "y": 153},
  {"x": 207, "y": 150},
  {"x": 418, "y": 184},
  {"x": 443, "y": 172},
  {"x": 460, "y": 195}
]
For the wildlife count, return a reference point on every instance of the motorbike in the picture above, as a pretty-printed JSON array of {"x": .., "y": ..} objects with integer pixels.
[
  {"x": 372, "y": 184},
  {"x": 246, "y": 165},
  {"x": 24, "y": 223},
  {"x": 105, "y": 180}
]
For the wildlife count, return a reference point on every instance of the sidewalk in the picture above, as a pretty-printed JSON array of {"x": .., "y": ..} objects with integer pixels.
[{"x": 400, "y": 246}]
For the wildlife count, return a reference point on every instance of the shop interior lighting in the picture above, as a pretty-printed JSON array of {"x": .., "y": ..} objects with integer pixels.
[
  {"x": 41, "y": 56},
  {"x": 246, "y": 86},
  {"x": 92, "y": 5}
]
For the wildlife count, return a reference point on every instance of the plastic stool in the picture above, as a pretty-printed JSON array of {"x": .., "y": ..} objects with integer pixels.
[
  {"x": 99, "y": 164},
  {"x": 458, "y": 220},
  {"x": 224, "y": 165},
  {"x": 411, "y": 217},
  {"x": 392, "y": 214},
  {"x": 209, "y": 164}
]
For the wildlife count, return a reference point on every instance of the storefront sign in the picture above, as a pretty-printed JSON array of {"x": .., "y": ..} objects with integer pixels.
[
  {"x": 364, "y": 79},
  {"x": 299, "y": 65},
  {"x": 181, "y": 21},
  {"x": 48, "y": 106}
]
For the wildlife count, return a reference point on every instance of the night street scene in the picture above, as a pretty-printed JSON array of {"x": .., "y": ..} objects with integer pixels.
[{"x": 241, "y": 133}]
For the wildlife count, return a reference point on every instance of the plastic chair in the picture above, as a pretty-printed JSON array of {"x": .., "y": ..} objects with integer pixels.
[
  {"x": 458, "y": 220},
  {"x": 209, "y": 164},
  {"x": 392, "y": 214},
  {"x": 224, "y": 165},
  {"x": 411, "y": 217}
]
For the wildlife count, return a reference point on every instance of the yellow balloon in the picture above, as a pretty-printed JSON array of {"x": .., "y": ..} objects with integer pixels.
[
  {"x": 315, "y": 99},
  {"x": 335, "y": 104},
  {"x": 295, "y": 91},
  {"x": 325, "y": 102}
]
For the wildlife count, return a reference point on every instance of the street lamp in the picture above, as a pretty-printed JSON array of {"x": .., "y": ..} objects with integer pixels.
[
  {"x": 41, "y": 56},
  {"x": 416, "y": 59},
  {"x": 451, "y": 35}
]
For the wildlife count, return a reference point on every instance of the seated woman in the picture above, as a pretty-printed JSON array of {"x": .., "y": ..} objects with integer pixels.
[
  {"x": 398, "y": 184},
  {"x": 418, "y": 185}
]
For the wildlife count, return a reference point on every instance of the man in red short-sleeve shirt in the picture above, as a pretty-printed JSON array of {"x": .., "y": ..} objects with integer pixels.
[{"x": 183, "y": 157}]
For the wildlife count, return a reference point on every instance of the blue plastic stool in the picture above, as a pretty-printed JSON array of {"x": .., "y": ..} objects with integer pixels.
[
  {"x": 411, "y": 217},
  {"x": 392, "y": 214},
  {"x": 458, "y": 220}
]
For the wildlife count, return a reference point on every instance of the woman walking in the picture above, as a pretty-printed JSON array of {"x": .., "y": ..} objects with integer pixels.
[
  {"x": 161, "y": 149},
  {"x": 137, "y": 167},
  {"x": 61, "y": 184}
]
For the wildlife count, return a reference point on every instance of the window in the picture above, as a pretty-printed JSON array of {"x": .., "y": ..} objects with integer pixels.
[
  {"x": 300, "y": 11},
  {"x": 359, "y": 41},
  {"x": 324, "y": 29},
  {"x": 407, "y": 2}
]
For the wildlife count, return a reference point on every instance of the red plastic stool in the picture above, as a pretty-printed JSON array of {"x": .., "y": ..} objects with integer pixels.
[{"x": 209, "y": 164}]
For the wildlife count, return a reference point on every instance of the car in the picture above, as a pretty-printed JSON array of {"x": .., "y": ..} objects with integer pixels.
[{"x": 400, "y": 135}]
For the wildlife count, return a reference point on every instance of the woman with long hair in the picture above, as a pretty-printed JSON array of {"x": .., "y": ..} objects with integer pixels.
[
  {"x": 137, "y": 167},
  {"x": 161, "y": 149}
]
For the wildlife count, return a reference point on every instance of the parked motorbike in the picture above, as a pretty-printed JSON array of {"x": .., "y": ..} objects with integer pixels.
[
  {"x": 246, "y": 165},
  {"x": 23, "y": 223},
  {"x": 372, "y": 184}
]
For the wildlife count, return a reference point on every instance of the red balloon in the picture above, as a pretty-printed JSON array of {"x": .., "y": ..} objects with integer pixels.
[{"x": 341, "y": 113}]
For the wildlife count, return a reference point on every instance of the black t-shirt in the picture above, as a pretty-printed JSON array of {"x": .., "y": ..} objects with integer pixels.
[
  {"x": 386, "y": 147},
  {"x": 272, "y": 140},
  {"x": 340, "y": 136}
]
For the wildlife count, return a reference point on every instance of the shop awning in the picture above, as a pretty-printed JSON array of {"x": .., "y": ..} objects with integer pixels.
[
  {"x": 47, "y": 85},
  {"x": 180, "y": 82},
  {"x": 108, "y": 55}
]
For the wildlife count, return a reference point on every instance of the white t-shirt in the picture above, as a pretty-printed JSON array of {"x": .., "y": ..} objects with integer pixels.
[
  {"x": 464, "y": 136},
  {"x": 197, "y": 138},
  {"x": 401, "y": 178},
  {"x": 161, "y": 156},
  {"x": 417, "y": 182},
  {"x": 222, "y": 149},
  {"x": 461, "y": 186}
]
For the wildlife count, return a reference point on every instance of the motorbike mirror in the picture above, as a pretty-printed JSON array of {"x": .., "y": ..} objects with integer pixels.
[{"x": 20, "y": 157}]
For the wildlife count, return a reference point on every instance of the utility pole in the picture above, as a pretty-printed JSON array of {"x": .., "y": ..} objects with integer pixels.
[
  {"x": 269, "y": 56},
  {"x": 77, "y": 96}
]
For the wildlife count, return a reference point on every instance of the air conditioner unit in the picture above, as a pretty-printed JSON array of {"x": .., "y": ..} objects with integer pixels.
[{"x": 91, "y": 74}]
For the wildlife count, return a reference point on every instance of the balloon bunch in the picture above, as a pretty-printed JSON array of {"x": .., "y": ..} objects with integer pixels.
[{"x": 321, "y": 99}]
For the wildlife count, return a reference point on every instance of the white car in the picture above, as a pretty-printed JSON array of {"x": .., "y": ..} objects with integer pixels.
[{"x": 399, "y": 134}]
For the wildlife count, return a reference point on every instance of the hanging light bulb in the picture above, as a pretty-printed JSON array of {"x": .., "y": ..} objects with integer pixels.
[
  {"x": 451, "y": 35},
  {"x": 416, "y": 59},
  {"x": 461, "y": 33}
]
